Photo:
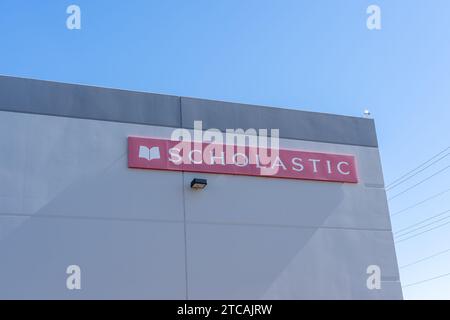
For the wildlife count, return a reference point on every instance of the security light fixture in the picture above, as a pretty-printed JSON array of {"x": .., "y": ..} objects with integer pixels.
[{"x": 198, "y": 184}]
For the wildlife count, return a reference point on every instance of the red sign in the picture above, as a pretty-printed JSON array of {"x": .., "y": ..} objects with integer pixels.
[{"x": 159, "y": 154}]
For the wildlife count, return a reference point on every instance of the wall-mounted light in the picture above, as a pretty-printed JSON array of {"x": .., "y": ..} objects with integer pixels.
[{"x": 197, "y": 183}]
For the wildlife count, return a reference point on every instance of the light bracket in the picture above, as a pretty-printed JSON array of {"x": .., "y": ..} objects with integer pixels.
[{"x": 198, "y": 183}]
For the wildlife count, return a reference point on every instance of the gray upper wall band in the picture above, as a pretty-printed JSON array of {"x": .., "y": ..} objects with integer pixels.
[{"x": 88, "y": 102}]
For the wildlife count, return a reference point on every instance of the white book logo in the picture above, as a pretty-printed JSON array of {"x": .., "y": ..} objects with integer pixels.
[{"x": 149, "y": 153}]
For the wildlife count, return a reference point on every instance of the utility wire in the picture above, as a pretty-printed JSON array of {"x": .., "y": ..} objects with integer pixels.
[
  {"x": 421, "y": 202},
  {"x": 424, "y": 259},
  {"x": 420, "y": 222},
  {"x": 418, "y": 234},
  {"x": 416, "y": 173},
  {"x": 426, "y": 280},
  {"x": 427, "y": 225},
  {"x": 419, "y": 183},
  {"x": 408, "y": 173}
]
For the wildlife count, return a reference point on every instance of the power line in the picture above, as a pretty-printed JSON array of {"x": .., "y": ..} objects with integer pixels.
[
  {"x": 421, "y": 202},
  {"x": 426, "y": 280},
  {"x": 424, "y": 259},
  {"x": 429, "y": 224},
  {"x": 406, "y": 174},
  {"x": 420, "y": 222},
  {"x": 418, "y": 234},
  {"x": 419, "y": 183},
  {"x": 416, "y": 173}
]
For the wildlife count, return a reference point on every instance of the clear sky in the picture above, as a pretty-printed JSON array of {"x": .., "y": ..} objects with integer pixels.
[{"x": 310, "y": 55}]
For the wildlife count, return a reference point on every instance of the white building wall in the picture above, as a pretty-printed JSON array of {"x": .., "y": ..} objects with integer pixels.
[{"x": 68, "y": 197}]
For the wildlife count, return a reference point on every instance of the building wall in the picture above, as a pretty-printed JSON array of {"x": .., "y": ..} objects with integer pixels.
[{"x": 67, "y": 197}]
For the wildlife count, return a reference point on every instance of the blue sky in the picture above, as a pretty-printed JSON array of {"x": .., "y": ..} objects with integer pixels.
[{"x": 309, "y": 55}]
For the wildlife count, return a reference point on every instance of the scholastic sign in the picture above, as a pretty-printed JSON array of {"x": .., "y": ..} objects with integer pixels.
[{"x": 161, "y": 154}]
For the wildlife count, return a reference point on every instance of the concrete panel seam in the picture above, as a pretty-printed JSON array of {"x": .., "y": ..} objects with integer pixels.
[
  {"x": 374, "y": 185},
  {"x": 241, "y": 224},
  {"x": 71, "y": 217}
]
